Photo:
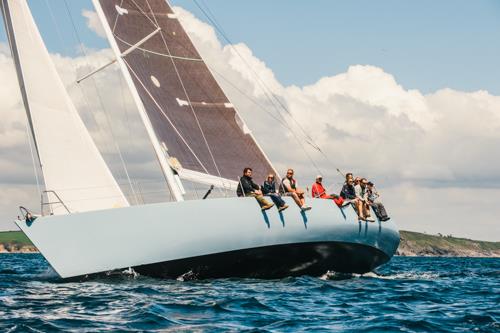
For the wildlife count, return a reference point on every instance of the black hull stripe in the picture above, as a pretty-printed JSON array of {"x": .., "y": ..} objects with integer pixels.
[{"x": 271, "y": 262}]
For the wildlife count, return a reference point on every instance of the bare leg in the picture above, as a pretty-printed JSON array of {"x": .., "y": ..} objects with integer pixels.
[
  {"x": 302, "y": 200},
  {"x": 359, "y": 207},
  {"x": 296, "y": 199},
  {"x": 366, "y": 208},
  {"x": 300, "y": 194}
]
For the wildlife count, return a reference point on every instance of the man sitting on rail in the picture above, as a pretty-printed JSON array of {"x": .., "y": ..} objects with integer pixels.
[
  {"x": 347, "y": 191},
  {"x": 247, "y": 188},
  {"x": 289, "y": 187},
  {"x": 318, "y": 191}
]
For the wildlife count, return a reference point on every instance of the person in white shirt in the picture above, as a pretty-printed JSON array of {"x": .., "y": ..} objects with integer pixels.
[
  {"x": 289, "y": 187},
  {"x": 363, "y": 206}
]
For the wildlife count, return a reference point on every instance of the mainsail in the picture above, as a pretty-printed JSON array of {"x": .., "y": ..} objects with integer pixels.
[
  {"x": 192, "y": 118},
  {"x": 71, "y": 164}
]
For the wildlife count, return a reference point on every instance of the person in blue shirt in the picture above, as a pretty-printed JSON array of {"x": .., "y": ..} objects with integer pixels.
[{"x": 269, "y": 189}]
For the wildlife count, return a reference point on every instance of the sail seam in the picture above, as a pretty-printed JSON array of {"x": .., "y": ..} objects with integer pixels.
[
  {"x": 165, "y": 115},
  {"x": 187, "y": 96},
  {"x": 155, "y": 23},
  {"x": 272, "y": 97}
]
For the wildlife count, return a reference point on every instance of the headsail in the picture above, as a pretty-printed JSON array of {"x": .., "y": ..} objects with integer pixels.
[
  {"x": 71, "y": 164},
  {"x": 189, "y": 112}
]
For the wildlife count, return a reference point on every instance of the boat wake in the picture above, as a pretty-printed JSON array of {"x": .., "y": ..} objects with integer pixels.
[{"x": 412, "y": 275}]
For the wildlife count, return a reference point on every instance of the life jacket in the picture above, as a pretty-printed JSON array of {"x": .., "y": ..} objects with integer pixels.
[{"x": 283, "y": 189}]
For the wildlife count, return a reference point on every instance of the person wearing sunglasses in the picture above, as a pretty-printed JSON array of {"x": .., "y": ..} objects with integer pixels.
[
  {"x": 289, "y": 188},
  {"x": 362, "y": 199},
  {"x": 318, "y": 191},
  {"x": 269, "y": 189}
]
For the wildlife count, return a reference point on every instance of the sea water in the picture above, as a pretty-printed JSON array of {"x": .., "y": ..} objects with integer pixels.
[{"x": 407, "y": 294}]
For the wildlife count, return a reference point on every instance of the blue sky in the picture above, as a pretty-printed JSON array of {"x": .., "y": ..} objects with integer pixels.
[
  {"x": 426, "y": 45},
  {"x": 422, "y": 45}
]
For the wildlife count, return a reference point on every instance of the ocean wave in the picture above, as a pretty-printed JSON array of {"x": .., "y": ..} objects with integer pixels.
[{"x": 409, "y": 294}]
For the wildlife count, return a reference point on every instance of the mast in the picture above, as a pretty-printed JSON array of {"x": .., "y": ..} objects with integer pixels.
[
  {"x": 75, "y": 174},
  {"x": 174, "y": 89},
  {"x": 160, "y": 152},
  {"x": 4, "y": 6}
]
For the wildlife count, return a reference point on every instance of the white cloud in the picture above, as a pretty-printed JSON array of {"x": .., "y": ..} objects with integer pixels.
[
  {"x": 93, "y": 22},
  {"x": 433, "y": 156}
]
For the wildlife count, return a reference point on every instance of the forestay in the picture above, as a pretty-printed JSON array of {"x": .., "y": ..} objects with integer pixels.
[
  {"x": 188, "y": 111},
  {"x": 71, "y": 163}
]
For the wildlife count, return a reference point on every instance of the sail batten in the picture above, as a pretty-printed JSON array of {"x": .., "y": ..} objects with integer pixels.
[
  {"x": 187, "y": 109},
  {"x": 71, "y": 164}
]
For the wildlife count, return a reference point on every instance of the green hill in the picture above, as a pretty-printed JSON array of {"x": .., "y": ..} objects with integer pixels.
[
  {"x": 15, "y": 241},
  {"x": 412, "y": 244},
  {"x": 418, "y": 244}
]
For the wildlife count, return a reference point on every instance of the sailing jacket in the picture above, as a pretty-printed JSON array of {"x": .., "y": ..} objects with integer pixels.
[
  {"x": 268, "y": 187},
  {"x": 248, "y": 186},
  {"x": 318, "y": 191},
  {"x": 348, "y": 192}
]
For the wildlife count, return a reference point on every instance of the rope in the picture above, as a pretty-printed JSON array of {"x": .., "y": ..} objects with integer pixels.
[
  {"x": 35, "y": 171},
  {"x": 108, "y": 122},
  {"x": 186, "y": 94},
  {"x": 266, "y": 90},
  {"x": 165, "y": 115},
  {"x": 30, "y": 134}
]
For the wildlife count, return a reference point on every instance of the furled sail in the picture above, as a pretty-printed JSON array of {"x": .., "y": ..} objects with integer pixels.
[
  {"x": 71, "y": 164},
  {"x": 189, "y": 112}
]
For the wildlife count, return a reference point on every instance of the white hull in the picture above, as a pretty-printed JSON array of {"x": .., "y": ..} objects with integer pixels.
[{"x": 93, "y": 242}]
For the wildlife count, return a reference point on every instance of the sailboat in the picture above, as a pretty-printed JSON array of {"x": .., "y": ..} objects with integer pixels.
[{"x": 90, "y": 227}]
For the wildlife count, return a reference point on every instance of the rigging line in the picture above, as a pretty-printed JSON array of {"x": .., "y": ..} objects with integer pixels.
[
  {"x": 281, "y": 122},
  {"x": 51, "y": 13},
  {"x": 116, "y": 18},
  {"x": 126, "y": 112},
  {"x": 267, "y": 91},
  {"x": 155, "y": 23},
  {"x": 264, "y": 87},
  {"x": 59, "y": 34},
  {"x": 187, "y": 95},
  {"x": 157, "y": 53},
  {"x": 224, "y": 35},
  {"x": 250, "y": 98},
  {"x": 13, "y": 50},
  {"x": 165, "y": 115},
  {"x": 30, "y": 134},
  {"x": 35, "y": 171},
  {"x": 108, "y": 122}
]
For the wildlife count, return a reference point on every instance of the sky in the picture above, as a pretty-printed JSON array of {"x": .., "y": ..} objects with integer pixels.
[{"x": 404, "y": 93}]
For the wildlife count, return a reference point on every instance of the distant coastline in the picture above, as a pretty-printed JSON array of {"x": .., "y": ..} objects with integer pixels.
[
  {"x": 412, "y": 244},
  {"x": 424, "y": 245}
]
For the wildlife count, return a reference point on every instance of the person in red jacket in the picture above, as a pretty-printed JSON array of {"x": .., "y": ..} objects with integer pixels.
[{"x": 318, "y": 191}]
